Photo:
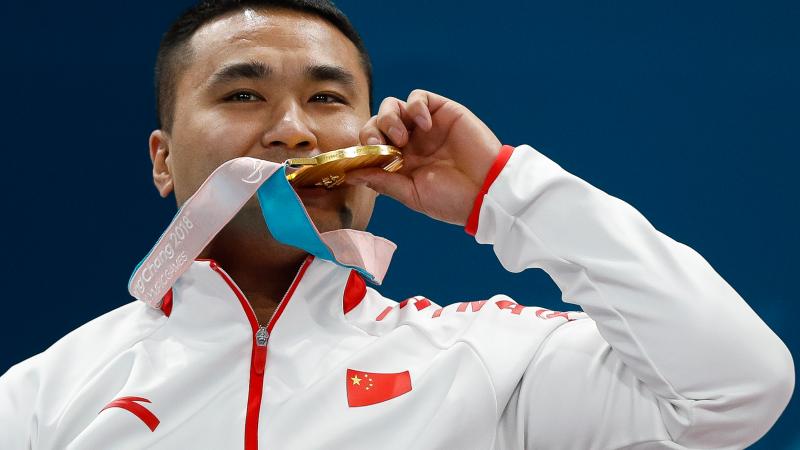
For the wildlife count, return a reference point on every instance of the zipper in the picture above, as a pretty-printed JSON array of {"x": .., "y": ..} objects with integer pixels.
[
  {"x": 258, "y": 356},
  {"x": 262, "y": 336}
]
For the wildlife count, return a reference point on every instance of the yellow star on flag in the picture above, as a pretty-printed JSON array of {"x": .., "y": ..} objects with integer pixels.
[{"x": 356, "y": 380}]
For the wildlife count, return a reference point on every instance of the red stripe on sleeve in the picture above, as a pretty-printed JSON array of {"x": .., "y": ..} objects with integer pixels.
[{"x": 499, "y": 163}]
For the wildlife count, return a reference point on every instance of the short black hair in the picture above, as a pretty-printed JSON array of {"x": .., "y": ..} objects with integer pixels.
[{"x": 174, "y": 50}]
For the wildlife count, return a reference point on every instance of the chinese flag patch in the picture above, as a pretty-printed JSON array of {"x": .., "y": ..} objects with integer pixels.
[{"x": 368, "y": 388}]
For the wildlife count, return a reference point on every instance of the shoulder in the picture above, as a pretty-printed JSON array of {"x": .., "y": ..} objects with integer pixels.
[
  {"x": 488, "y": 325},
  {"x": 379, "y": 315},
  {"x": 502, "y": 333},
  {"x": 89, "y": 346}
]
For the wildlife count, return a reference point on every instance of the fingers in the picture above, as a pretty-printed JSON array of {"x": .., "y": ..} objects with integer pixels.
[
  {"x": 393, "y": 121},
  {"x": 369, "y": 134},
  {"x": 377, "y": 127},
  {"x": 399, "y": 187},
  {"x": 418, "y": 108},
  {"x": 396, "y": 119},
  {"x": 387, "y": 123}
]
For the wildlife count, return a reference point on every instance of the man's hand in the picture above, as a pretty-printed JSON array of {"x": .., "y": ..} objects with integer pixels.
[{"x": 447, "y": 152}]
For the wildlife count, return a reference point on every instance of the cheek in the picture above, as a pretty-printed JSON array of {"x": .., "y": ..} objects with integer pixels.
[
  {"x": 351, "y": 127},
  {"x": 225, "y": 136},
  {"x": 201, "y": 144},
  {"x": 340, "y": 132}
]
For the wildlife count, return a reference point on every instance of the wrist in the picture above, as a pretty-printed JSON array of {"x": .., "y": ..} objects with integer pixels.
[{"x": 471, "y": 227}]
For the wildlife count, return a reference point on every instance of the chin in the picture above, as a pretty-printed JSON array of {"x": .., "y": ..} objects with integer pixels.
[
  {"x": 326, "y": 214},
  {"x": 326, "y": 219}
]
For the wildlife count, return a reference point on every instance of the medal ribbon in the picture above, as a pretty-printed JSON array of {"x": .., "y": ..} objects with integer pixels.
[{"x": 218, "y": 200}]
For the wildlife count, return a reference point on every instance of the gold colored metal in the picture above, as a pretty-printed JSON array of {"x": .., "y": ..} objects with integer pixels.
[{"x": 330, "y": 168}]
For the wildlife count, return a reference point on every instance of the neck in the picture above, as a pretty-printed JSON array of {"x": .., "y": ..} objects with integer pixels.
[{"x": 262, "y": 268}]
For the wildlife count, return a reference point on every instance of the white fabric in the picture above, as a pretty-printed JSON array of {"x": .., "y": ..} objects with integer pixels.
[{"x": 668, "y": 357}]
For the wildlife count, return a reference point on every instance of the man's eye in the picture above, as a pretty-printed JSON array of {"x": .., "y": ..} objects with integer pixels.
[
  {"x": 327, "y": 98},
  {"x": 243, "y": 97}
]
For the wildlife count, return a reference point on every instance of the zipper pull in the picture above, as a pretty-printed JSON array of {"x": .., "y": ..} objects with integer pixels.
[{"x": 262, "y": 336}]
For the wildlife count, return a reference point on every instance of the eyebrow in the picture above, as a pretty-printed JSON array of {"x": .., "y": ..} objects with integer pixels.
[
  {"x": 325, "y": 72},
  {"x": 256, "y": 70},
  {"x": 251, "y": 70}
]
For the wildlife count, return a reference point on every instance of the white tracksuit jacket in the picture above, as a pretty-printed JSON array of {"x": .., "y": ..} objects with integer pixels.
[{"x": 668, "y": 357}]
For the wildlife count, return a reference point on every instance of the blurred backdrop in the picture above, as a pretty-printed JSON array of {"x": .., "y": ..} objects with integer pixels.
[{"x": 686, "y": 110}]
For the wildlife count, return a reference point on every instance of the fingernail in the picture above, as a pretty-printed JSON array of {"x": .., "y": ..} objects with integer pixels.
[
  {"x": 420, "y": 121},
  {"x": 395, "y": 134},
  {"x": 372, "y": 140}
]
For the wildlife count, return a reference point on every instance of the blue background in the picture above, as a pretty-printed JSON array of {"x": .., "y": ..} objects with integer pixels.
[{"x": 686, "y": 110}]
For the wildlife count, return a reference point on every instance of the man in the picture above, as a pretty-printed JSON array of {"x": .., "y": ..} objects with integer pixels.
[{"x": 259, "y": 344}]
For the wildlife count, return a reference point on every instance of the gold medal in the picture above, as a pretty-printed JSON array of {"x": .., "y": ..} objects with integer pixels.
[{"x": 330, "y": 168}]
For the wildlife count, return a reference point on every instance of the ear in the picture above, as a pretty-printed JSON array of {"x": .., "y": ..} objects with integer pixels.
[{"x": 159, "y": 154}]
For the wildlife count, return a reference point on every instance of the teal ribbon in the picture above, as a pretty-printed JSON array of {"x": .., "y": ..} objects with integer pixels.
[{"x": 288, "y": 221}]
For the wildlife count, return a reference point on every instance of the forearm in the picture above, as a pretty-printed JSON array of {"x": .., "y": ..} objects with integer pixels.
[{"x": 663, "y": 309}]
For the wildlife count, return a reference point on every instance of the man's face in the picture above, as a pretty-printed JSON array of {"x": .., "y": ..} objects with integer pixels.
[{"x": 271, "y": 85}]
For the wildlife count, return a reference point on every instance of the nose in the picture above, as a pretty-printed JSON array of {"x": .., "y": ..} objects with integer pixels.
[{"x": 289, "y": 130}]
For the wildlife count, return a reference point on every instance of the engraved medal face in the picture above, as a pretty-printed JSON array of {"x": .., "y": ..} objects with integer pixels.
[{"x": 329, "y": 169}]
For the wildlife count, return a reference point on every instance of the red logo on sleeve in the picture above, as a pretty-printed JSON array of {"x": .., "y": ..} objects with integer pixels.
[
  {"x": 129, "y": 403},
  {"x": 369, "y": 388}
]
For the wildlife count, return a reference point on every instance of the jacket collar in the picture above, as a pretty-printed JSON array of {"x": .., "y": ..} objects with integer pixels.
[{"x": 321, "y": 295}]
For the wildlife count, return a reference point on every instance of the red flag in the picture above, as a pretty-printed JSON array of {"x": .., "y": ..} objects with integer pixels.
[{"x": 368, "y": 388}]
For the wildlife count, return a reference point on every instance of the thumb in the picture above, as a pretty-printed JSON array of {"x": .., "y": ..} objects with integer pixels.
[{"x": 399, "y": 187}]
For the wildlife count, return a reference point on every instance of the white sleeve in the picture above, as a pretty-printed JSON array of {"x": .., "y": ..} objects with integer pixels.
[
  {"x": 18, "y": 391},
  {"x": 672, "y": 357}
]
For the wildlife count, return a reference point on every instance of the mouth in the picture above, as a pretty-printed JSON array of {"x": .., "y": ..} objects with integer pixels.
[
  {"x": 313, "y": 192},
  {"x": 319, "y": 198}
]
